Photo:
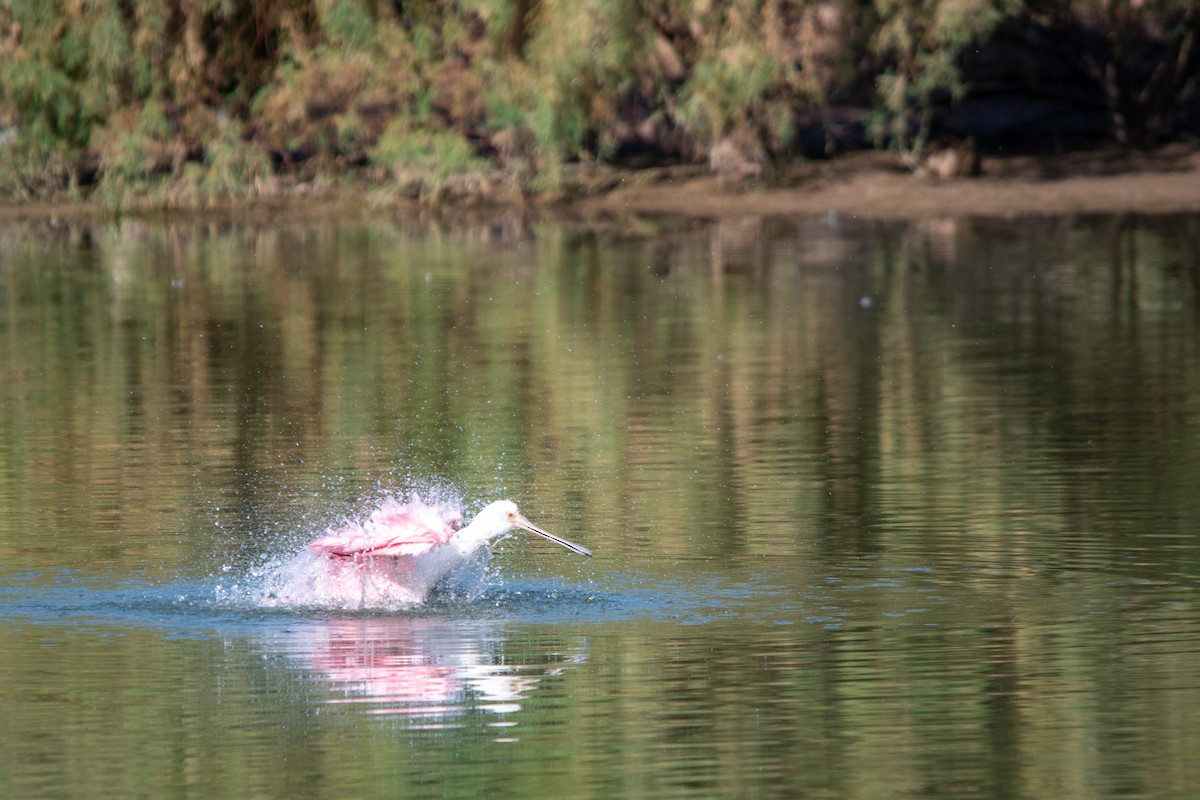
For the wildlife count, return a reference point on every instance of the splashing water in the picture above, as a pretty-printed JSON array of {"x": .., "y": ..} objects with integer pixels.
[
  {"x": 307, "y": 581},
  {"x": 375, "y": 561}
]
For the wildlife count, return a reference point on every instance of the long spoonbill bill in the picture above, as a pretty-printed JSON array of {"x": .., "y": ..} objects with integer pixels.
[{"x": 397, "y": 555}]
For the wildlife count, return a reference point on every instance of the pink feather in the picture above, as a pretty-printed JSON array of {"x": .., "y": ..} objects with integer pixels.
[{"x": 393, "y": 529}]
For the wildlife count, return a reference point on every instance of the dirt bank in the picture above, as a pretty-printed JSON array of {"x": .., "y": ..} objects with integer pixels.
[
  {"x": 874, "y": 185},
  {"x": 870, "y": 185}
]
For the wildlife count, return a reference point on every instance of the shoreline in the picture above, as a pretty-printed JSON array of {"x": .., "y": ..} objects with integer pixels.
[
  {"x": 868, "y": 185},
  {"x": 872, "y": 185}
]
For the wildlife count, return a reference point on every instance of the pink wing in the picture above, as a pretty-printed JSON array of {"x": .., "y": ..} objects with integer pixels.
[{"x": 393, "y": 529}]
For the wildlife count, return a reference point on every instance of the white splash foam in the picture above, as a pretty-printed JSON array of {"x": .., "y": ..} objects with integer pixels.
[{"x": 304, "y": 580}]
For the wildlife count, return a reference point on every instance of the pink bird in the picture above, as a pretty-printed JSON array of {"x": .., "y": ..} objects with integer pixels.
[{"x": 397, "y": 555}]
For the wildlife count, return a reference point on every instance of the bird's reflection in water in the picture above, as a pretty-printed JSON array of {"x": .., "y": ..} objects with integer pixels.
[{"x": 427, "y": 669}]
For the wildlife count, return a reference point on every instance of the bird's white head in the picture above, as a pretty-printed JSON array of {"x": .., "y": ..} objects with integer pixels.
[{"x": 502, "y": 516}]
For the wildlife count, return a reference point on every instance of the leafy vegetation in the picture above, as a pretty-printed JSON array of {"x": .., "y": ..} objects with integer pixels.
[
  {"x": 163, "y": 102},
  {"x": 918, "y": 45}
]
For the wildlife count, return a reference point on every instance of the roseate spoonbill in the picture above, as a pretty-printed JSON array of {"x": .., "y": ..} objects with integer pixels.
[{"x": 397, "y": 555}]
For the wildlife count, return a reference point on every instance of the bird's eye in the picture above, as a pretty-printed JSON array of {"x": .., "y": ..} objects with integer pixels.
[{"x": 511, "y": 515}]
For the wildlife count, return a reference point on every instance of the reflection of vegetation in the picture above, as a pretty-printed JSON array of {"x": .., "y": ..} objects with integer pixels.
[
  {"x": 579, "y": 361},
  {"x": 1008, "y": 423},
  {"x": 192, "y": 102}
]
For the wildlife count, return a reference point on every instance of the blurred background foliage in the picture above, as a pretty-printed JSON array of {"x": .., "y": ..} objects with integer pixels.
[{"x": 202, "y": 100}]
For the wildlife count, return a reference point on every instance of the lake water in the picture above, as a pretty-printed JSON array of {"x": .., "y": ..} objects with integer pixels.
[{"x": 904, "y": 510}]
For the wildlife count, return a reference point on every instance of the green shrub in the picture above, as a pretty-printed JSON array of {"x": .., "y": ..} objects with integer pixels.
[
  {"x": 426, "y": 156},
  {"x": 917, "y": 45}
]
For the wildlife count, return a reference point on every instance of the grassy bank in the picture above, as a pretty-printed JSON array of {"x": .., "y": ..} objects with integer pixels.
[{"x": 160, "y": 103}]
